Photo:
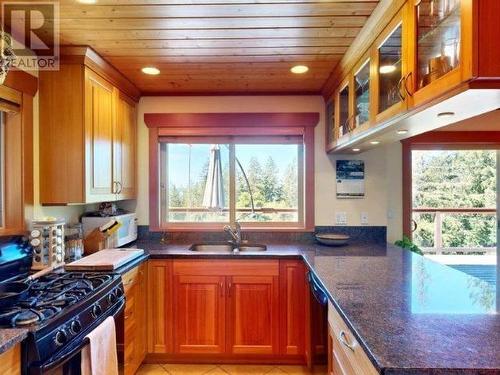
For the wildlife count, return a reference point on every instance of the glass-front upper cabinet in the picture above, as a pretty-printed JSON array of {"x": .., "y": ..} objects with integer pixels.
[
  {"x": 438, "y": 39},
  {"x": 343, "y": 110},
  {"x": 362, "y": 94},
  {"x": 330, "y": 123},
  {"x": 389, "y": 55},
  {"x": 441, "y": 34}
]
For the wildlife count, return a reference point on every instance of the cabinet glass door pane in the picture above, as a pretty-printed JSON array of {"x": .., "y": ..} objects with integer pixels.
[
  {"x": 438, "y": 43},
  {"x": 344, "y": 111},
  {"x": 390, "y": 70},
  {"x": 362, "y": 89},
  {"x": 330, "y": 121}
]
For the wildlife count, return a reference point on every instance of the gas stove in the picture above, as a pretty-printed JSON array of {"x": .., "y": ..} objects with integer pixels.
[
  {"x": 59, "y": 310},
  {"x": 49, "y": 297}
]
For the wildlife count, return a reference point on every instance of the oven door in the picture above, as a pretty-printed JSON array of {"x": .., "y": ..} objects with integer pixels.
[{"x": 68, "y": 360}]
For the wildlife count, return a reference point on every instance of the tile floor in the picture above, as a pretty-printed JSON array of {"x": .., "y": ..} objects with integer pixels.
[{"x": 173, "y": 369}]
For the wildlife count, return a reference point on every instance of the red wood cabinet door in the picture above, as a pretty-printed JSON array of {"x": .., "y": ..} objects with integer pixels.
[
  {"x": 199, "y": 315},
  {"x": 253, "y": 308},
  {"x": 292, "y": 307}
]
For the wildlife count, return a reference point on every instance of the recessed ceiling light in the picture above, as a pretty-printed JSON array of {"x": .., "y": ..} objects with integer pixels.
[
  {"x": 445, "y": 114},
  {"x": 374, "y": 142},
  {"x": 402, "y": 131},
  {"x": 87, "y": 1},
  {"x": 387, "y": 69},
  {"x": 151, "y": 70},
  {"x": 299, "y": 69},
  {"x": 356, "y": 149}
]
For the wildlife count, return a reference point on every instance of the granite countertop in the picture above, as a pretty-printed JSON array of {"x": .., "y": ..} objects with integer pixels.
[
  {"x": 411, "y": 315},
  {"x": 10, "y": 337}
]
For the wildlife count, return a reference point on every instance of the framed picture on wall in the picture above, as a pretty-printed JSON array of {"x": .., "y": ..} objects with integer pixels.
[{"x": 350, "y": 179}]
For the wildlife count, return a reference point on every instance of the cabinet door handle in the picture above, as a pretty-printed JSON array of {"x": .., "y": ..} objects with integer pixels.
[
  {"x": 229, "y": 286},
  {"x": 408, "y": 92},
  {"x": 221, "y": 287},
  {"x": 114, "y": 189},
  {"x": 343, "y": 340},
  {"x": 401, "y": 96},
  {"x": 119, "y": 185}
]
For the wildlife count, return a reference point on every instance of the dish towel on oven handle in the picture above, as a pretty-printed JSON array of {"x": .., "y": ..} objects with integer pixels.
[{"x": 99, "y": 357}]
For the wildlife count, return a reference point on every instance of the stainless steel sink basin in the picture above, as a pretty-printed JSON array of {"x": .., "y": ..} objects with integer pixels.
[
  {"x": 225, "y": 247},
  {"x": 212, "y": 248}
]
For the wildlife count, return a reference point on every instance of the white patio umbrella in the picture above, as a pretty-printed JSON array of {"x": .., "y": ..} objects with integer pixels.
[{"x": 213, "y": 198}]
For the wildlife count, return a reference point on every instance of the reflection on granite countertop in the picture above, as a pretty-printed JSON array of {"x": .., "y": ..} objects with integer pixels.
[
  {"x": 10, "y": 337},
  {"x": 412, "y": 315}
]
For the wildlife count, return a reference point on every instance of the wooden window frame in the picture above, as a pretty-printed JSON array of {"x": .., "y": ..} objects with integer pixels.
[
  {"x": 206, "y": 125},
  {"x": 439, "y": 140}
]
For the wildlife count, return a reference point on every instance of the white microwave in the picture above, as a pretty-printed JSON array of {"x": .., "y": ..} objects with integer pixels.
[{"x": 124, "y": 235}]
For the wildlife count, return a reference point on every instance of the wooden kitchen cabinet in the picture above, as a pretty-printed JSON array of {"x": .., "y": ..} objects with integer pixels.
[
  {"x": 124, "y": 148},
  {"x": 99, "y": 123},
  {"x": 427, "y": 57},
  {"x": 253, "y": 314},
  {"x": 292, "y": 307},
  {"x": 160, "y": 307},
  {"x": 10, "y": 361},
  {"x": 226, "y": 310},
  {"x": 345, "y": 355},
  {"x": 87, "y": 110},
  {"x": 132, "y": 333},
  {"x": 440, "y": 46},
  {"x": 199, "y": 314}
]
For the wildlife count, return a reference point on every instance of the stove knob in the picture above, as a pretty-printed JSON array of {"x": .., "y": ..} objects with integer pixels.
[
  {"x": 75, "y": 327},
  {"x": 96, "y": 310},
  {"x": 119, "y": 292},
  {"x": 61, "y": 337},
  {"x": 112, "y": 298}
]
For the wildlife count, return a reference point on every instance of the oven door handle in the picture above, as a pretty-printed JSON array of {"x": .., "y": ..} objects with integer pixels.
[{"x": 68, "y": 353}]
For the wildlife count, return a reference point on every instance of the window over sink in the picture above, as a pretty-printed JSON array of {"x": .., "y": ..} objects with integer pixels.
[{"x": 257, "y": 181}]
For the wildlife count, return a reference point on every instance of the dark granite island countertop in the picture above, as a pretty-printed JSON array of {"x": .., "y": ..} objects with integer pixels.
[{"x": 411, "y": 315}]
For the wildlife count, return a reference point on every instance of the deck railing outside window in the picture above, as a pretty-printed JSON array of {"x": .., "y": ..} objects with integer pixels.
[{"x": 434, "y": 230}]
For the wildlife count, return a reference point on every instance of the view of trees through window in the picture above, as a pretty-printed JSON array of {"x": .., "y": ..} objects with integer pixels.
[
  {"x": 272, "y": 171},
  {"x": 458, "y": 181}
]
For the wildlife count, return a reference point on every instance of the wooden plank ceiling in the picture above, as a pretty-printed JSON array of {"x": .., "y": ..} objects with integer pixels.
[{"x": 218, "y": 46}]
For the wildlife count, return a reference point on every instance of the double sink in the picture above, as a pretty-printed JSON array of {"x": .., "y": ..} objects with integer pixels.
[{"x": 227, "y": 247}]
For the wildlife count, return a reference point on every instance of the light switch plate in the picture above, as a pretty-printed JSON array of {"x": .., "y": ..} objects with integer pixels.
[
  {"x": 341, "y": 218},
  {"x": 364, "y": 218}
]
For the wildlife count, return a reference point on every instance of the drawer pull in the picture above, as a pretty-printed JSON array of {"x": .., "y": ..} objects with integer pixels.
[{"x": 343, "y": 340}]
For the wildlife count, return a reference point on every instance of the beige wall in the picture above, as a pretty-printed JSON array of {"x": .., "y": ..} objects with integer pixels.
[{"x": 383, "y": 165}]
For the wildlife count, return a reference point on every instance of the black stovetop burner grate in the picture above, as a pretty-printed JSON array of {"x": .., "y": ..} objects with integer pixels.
[{"x": 51, "y": 295}]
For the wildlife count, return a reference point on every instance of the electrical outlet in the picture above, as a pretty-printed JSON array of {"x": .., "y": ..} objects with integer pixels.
[
  {"x": 364, "y": 218},
  {"x": 341, "y": 218}
]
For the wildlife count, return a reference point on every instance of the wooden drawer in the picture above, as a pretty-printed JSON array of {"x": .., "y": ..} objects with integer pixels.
[
  {"x": 131, "y": 278},
  {"x": 245, "y": 267},
  {"x": 346, "y": 348}
]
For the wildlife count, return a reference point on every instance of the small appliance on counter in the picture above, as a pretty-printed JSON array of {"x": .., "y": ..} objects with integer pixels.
[
  {"x": 126, "y": 233},
  {"x": 47, "y": 240}
]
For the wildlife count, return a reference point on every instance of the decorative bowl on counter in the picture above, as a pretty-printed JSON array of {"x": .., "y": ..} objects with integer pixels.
[{"x": 332, "y": 239}]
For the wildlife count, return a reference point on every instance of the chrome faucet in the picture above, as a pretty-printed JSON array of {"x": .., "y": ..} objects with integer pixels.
[{"x": 235, "y": 235}]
